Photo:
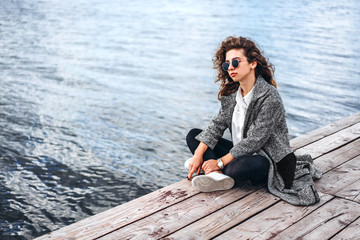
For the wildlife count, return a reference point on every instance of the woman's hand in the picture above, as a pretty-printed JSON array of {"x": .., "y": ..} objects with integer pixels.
[
  {"x": 210, "y": 166},
  {"x": 195, "y": 165}
]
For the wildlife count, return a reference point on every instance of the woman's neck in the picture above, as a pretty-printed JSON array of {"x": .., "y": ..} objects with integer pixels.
[{"x": 247, "y": 85}]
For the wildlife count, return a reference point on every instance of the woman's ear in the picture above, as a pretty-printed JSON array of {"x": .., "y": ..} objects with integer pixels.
[{"x": 253, "y": 65}]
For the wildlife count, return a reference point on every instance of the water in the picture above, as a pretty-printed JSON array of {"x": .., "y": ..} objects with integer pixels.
[{"x": 97, "y": 96}]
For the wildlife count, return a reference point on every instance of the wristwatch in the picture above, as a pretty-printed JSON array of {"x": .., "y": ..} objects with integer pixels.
[{"x": 220, "y": 163}]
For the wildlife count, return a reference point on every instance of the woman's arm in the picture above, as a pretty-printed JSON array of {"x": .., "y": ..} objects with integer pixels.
[
  {"x": 211, "y": 165},
  {"x": 216, "y": 127}
]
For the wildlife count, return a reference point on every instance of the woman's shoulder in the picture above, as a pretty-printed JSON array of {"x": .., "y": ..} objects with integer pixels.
[
  {"x": 262, "y": 88},
  {"x": 228, "y": 98},
  {"x": 228, "y": 102},
  {"x": 268, "y": 94}
]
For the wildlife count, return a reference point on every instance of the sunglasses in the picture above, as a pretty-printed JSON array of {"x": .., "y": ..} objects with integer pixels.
[{"x": 234, "y": 63}]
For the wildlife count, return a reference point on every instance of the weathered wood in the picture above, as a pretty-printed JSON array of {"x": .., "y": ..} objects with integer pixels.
[
  {"x": 339, "y": 177},
  {"x": 325, "y": 148},
  {"x": 229, "y": 216},
  {"x": 351, "y": 192},
  {"x": 179, "y": 211},
  {"x": 175, "y": 217},
  {"x": 332, "y": 142},
  {"x": 339, "y": 156},
  {"x": 351, "y": 232},
  {"x": 112, "y": 219},
  {"x": 324, "y": 222},
  {"x": 272, "y": 221},
  {"x": 322, "y": 132}
]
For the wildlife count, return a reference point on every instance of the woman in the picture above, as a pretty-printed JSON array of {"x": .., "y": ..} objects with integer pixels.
[{"x": 252, "y": 109}]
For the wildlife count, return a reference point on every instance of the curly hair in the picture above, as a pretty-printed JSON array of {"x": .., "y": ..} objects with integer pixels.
[{"x": 264, "y": 68}]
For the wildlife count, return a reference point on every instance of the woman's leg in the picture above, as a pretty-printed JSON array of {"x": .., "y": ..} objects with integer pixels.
[
  {"x": 248, "y": 167},
  {"x": 222, "y": 147}
]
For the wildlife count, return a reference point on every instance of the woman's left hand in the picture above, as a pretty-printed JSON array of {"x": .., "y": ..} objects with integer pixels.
[{"x": 210, "y": 166}]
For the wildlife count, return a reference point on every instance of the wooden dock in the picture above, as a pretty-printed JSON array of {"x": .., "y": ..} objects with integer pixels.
[{"x": 179, "y": 211}]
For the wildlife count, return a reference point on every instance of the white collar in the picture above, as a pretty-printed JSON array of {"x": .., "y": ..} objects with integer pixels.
[{"x": 244, "y": 101}]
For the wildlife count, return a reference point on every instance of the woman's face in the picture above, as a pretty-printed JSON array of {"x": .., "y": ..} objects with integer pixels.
[{"x": 244, "y": 70}]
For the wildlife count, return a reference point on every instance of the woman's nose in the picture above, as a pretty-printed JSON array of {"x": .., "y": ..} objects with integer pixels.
[{"x": 231, "y": 66}]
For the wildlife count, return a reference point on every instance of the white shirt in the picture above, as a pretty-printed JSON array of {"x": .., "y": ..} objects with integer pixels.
[{"x": 237, "y": 125}]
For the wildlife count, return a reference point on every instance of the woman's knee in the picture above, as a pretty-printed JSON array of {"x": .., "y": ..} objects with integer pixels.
[
  {"x": 192, "y": 134},
  {"x": 190, "y": 139}
]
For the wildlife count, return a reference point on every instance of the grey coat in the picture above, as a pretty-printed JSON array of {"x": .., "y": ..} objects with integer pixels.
[{"x": 265, "y": 133}]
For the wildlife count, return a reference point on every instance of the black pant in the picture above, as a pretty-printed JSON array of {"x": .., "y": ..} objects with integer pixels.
[{"x": 247, "y": 167}]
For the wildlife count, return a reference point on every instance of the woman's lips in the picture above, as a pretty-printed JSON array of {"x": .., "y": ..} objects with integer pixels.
[{"x": 233, "y": 74}]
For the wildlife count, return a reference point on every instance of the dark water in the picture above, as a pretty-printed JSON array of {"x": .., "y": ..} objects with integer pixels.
[{"x": 97, "y": 96}]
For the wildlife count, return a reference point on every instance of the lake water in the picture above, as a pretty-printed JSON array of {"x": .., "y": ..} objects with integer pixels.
[{"x": 97, "y": 96}]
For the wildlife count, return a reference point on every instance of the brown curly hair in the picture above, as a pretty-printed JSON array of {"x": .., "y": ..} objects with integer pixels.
[{"x": 264, "y": 68}]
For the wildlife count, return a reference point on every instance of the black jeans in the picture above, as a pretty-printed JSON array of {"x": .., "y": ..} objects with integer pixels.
[{"x": 247, "y": 167}]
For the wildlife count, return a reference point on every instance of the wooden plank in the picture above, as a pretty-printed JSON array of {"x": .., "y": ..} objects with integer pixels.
[
  {"x": 324, "y": 222},
  {"x": 338, "y": 156},
  {"x": 339, "y": 177},
  {"x": 351, "y": 232},
  {"x": 272, "y": 221},
  {"x": 114, "y": 218},
  {"x": 322, "y": 132},
  {"x": 332, "y": 142},
  {"x": 177, "y": 216},
  {"x": 351, "y": 192},
  {"x": 225, "y": 218}
]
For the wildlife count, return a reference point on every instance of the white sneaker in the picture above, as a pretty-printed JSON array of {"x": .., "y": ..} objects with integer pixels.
[{"x": 213, "y": 181}]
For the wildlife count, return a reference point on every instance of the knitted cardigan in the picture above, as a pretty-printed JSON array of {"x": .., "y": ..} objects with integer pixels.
[{"x": 266, "y": 133}]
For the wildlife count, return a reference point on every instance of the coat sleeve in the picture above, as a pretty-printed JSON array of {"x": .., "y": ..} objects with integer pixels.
[
  {"x": 214, "y": 130},
  {"x": 262, "y": 127}
]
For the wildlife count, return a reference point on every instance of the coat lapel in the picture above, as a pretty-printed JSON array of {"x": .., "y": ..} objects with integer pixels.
[
  {"x": 259, "y": 90},
  {"x": 229, "y": 103}
]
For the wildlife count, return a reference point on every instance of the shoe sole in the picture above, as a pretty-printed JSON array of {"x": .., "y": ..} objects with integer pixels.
[{"x": 208, "y": 184}]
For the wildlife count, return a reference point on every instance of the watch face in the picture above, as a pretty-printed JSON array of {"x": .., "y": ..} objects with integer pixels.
[{"x": 220, "y": 164}]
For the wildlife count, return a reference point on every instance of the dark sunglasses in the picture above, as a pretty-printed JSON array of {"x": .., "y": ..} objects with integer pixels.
[{"x": 234, "y": 63}]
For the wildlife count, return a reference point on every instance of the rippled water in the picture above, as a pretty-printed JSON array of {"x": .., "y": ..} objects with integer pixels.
[{"x": 97, "y": 96}]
